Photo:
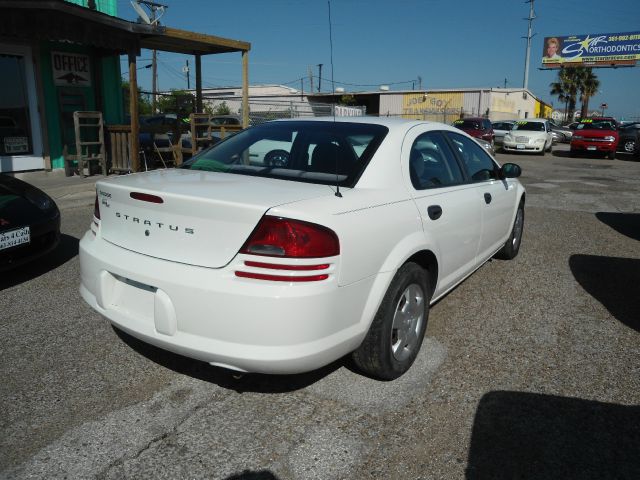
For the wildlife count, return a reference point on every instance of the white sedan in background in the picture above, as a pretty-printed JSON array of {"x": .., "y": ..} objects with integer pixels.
[
  {"x": 337, "y": 248},
  {"x": 531, "y": 135}
]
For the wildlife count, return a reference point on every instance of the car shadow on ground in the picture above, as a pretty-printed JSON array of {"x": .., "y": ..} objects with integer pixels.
[
  {"x": 628, "y": 157},
  {"x": 561, "y": 153},
  {"x": 232, "y": 380},
  {"x": 65, "y": 251},
  {"x": 533, "y": 436},
  {"x": 627, "y": 224},
  {"x": 253, "y": 475},
  {"x": 613, "y": 282}
]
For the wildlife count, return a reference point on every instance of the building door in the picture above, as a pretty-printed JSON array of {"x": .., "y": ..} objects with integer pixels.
[
  {"x": 20, "y": 135},
  {"x": 70, "y": 101}
]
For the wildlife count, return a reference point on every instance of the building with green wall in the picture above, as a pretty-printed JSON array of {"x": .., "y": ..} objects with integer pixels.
[{"x": 46, "y": 77}]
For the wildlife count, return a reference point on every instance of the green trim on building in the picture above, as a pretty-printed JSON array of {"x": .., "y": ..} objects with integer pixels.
[
  {"x": 110, "y": 7},
  {"x": 105, "y": 83}
]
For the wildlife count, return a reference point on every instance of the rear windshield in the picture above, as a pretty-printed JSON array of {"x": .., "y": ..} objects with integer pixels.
[
  {"x": 595, "y": 125},
  {"x": 314, "y": 152},
  {"x": 531, "y": 126},
  {"x": 467, "y": 124}
]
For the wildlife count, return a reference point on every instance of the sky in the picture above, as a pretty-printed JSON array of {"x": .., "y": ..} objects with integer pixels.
[{"x": 448, "y": 43}]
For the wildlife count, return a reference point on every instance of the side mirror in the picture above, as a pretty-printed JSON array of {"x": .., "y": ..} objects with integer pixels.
[{"x": 510, "y": 170}]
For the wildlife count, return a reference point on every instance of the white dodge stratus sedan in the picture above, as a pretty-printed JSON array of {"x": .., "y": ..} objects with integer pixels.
[{"x": 335, "y": 242}]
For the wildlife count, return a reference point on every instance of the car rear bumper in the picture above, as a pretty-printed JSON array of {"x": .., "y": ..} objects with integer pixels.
[
  {"x": 44, "y": 237},
  {"x": 214, "y": 316}
]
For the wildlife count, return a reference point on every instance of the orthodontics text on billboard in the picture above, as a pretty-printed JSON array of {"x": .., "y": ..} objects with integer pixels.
[{"x": 591, "y": 50}]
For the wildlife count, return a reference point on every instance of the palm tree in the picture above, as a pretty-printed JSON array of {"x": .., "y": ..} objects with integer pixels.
[
  {"x": 557, "y": 88},
  {"x": 588, "y": 88},
  {"x": 571, "y": 81}
]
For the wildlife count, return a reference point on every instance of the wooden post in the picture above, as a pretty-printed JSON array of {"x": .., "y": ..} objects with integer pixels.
[
  {"x": 245, "y": 89},
  {"x": 134, "y": 139},
  {"x": 198, "y": 84}
]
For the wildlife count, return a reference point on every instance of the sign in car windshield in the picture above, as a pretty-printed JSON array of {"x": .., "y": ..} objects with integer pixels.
[
  {"x": 71, "y": 69},
  {"x": 591, "y": 50}
]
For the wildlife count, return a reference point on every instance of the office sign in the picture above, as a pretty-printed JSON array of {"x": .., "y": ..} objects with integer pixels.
[
  {"x": 71, "y": 69},
  {"x": 591, "y": 50}
]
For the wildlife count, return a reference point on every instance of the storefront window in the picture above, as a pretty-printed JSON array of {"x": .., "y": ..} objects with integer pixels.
[{"x": 15, "y": 132}]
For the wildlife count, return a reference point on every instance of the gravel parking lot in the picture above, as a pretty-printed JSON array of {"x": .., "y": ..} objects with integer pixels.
[{"x": 530, "y": 368}]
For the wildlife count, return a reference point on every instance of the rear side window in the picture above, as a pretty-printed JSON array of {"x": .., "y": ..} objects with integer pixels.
[
  {"x": 479, "y": 166},
  {"x": 432, "y": 164},
  {"x": 306, "y": 151},
  {"x": 467, "y": 124}
]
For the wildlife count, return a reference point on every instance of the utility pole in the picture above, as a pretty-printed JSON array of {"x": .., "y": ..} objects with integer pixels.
[
  {"x": 319, "y": 76},
  {"x": 153, "y": 19},
  {"x": 505, "y": 82},
  {"x": 154, "y": 76},
  {"x": 186, "y": 72},
  {"x": 419, "y": 82},
  {"x": 154, "y": 68},
  {"x": 154, "y": 8},
  {"x": 525, "y": 83},
  {"x": 310, "y": 79}
]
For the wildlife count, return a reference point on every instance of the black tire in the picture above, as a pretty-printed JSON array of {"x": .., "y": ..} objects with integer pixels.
[
  {"x": 277, "y": 158},
  {"x": 629, "y": 146},
  {"x": 572, "y": 153},
  {"x": 611, "y": 155},
  {"x": 511, "y": 247},
  {"x": 381, "y": 354}
]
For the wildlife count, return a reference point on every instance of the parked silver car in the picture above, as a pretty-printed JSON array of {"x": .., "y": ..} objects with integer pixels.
[{"x": 501, "y": 128}]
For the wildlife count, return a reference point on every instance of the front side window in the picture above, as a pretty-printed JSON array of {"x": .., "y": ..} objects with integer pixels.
[
  {"x": 432, "y": 164},
  {"x": 479, "y": 166},
  {"x": 307, "y": 151}
]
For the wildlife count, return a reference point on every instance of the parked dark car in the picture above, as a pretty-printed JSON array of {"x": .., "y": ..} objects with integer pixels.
[
  {"x": 477, "y": 127},
  {"x": 29, "y": 222},
  {"x": 629, "y": 138}
]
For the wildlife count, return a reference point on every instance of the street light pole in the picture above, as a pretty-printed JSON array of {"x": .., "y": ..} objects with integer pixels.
[{"x": 525, "y": 83}]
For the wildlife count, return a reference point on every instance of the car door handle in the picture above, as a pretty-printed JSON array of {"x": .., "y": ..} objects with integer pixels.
[
  {"x": 434, "y": 212},
  {"x": 487, "y": 198}
]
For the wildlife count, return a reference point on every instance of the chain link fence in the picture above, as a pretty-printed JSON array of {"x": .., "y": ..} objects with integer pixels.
[{"x": 264, "y": 110}]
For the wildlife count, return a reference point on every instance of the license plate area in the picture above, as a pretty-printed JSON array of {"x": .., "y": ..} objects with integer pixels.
[
  {"x": 591, "y": 148},
  {"x": 520, "y": 146},
  {"x": 16, "y": 237},
  {"x": 134, "y": 299}
]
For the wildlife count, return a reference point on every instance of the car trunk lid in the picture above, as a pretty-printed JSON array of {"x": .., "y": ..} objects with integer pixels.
[{"x": 192, "y": 217}]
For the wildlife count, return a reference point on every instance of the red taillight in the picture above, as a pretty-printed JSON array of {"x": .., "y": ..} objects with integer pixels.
[
  {"x": 281, "y": 278},
  {"x": 146, "y": 197},
  {"x": 283, "y": 237},
  {"x": 277, "y": 266},
  {"x": 96, "y": 208}
]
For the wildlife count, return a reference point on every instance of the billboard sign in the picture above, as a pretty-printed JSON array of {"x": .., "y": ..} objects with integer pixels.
[{"x": 591, "y": 50}]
